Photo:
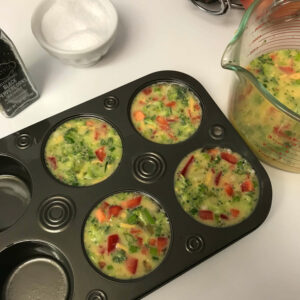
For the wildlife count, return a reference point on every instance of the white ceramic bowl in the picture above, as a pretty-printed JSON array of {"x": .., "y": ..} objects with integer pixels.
[{"x": 78, "y": 32}]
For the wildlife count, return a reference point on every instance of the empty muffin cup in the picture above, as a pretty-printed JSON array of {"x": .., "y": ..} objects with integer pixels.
[
  {"x": 83, "y": 151},
  {"x": 39, "y": 277},
  {"x": 15, "y": 191},
  {"x": 166, "y": 112},
  {"x": 127, "y": 235},
  {"x": 14, "y": 198},
  {"x": 217, "y": 187},
  {"x": 35, "y": 271}
]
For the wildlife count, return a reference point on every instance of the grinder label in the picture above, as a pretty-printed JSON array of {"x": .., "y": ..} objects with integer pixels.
[{"x": 16, "y": 89}]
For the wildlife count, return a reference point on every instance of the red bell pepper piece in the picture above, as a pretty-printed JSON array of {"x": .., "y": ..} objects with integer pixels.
[
  {"x": 162, "y": 243},
  {"x": 152, "y": 242},
  {"x": 247, "y": 186},
  {"x": 287, "y": 69},
  {"x": 206, "y": 214},
  {"x": 132, "y": 203},
  {"x": 102, "y": 264},
  {"x": 234, "y": 212},
  {"x": 162, "y": 122},
  {"x": 96, "y": 134},
  {"x": 90, "y": 123},
  {"x": 229, "y": 157},
  {"x": 100, "y": 153},
  {"x": 131, "y": 264},
  {"x": 171, "y": 104},
  {"x": 114, "y": 210},
  {"x": 139, "y": 241},
  {"x": 104, "y": 205},
  {"x": 171, "y": 135},
  {"x": 144, "y": 250},
  {"x": 224, "y": 217},
  {"x": 217, "y": 178},
  {"x": 185, "y": 169},
  {"x": 135, "y": 231},
  {"x": 153, "y": 134},
  {"x": 53, "y": 162},
  {"x": 196, "y": 118},
  {"x": 101, "y": 249},
  {"x": 273, "y": 56},
  {"x": 112, "y": 241},
  {"x": 196, "y": 106},
  {"x": 100, "y": 131},
  {"x": 147, "y": 90},
  {"x": 213, "y": 152},
  {"x": 172, "y": 119},
  {"x": 229, "y": 189}
]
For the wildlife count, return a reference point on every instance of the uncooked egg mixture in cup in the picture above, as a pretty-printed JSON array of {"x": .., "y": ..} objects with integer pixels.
[
  {"x": 83, "y": 151},
  {"x": 127, "y": 235},
  {"x": 124, "y": 192},
  {"x": 166, "y": 113}
]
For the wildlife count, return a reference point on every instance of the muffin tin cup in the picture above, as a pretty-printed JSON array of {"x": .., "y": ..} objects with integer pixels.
[
  {"x": 34, "y": 269},
  {"x": 145, "y": 167},
  {"x": 140, "y": 193}
]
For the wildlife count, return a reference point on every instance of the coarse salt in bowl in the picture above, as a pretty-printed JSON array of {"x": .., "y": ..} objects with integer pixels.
[{"x": 78, "y": 32}]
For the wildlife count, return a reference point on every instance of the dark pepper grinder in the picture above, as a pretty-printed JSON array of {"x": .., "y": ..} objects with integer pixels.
[{"x": 16, "y": 89}]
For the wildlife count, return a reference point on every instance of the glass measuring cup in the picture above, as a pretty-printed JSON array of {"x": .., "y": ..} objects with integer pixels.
[{"x": 270, "y": 128}]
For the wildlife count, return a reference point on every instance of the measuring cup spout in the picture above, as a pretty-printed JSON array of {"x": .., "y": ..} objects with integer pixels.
[
  {"x": 233, "y": 57},
  {"x": 230, "y": 59}
]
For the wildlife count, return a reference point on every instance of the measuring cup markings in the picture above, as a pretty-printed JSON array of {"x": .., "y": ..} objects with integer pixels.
[
  {"x": 265, "y": 47},
  {"x": 270, "y": 148},
  {"x": 274, "y": 33},
  {"x": 283, "y": 29},
  {"x": 289, "y": 152},
  {"x": 274, "y": 158},
  {"x": 278, "y": 40},
  {"x": 275, "y": 28},
  {"x": 288, "y": 145},
  {"x": 269, "y": 49},
  {"x": 278, "y": 32}
]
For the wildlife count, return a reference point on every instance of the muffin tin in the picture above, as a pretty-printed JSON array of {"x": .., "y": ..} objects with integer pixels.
[{"x": 46, "y": 237}]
